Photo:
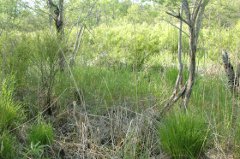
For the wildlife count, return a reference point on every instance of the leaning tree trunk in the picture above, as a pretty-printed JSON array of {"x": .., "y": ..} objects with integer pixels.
[
  {"x": 193, "y": 19},
  {"x": 192, "y": 67},
  {"x": 180, "y": 64}
]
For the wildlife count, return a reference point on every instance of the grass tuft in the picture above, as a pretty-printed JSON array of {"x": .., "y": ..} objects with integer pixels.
[
  {"x": 183, "y": 135},
  {"x": 41, "y": 133},
  {"x": 7, "y": 146}
]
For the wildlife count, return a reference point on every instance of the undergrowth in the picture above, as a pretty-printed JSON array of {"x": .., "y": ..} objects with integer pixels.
[{"x": 106, "y": 111}]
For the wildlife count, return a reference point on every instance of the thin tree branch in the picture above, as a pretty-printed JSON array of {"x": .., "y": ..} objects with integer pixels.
[
  {"x": 196, "y": 9},
  {"x": 178, "y": 17},
  {"x": 187, "y": 11},
  {"x": 180, "y": 66},
  {"x": 77, "y": 45},
  {"x": 200, "y": 18}
]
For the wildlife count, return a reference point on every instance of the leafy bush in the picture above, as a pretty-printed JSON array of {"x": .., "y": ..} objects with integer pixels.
[
  {"x": 183, "y": 135},
  {"x": 41, "y": 133},
  {"x": 20, "y": 60},
  {"x": 45, "y": 66},
  {"x": 130, "y": 44},
  {"x": 16, "y": 53},
  {"x": 7, "y": 146}
]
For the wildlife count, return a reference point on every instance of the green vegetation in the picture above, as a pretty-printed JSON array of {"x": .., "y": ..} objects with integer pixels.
[
  {"x": 11, "y": 111},
  {"x": 41, "y": 133},
  {"x": 8, "y": 146},
  {"x": 184, "y": 135},
  {"x": 95, "y": 87}
]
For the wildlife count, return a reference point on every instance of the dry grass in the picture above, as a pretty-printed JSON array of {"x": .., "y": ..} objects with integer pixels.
[{"x": 119, "y": 133}]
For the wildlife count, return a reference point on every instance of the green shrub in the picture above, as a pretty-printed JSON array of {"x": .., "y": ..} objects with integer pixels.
[
  {"x": 16, "y": 53},
  {"x": 41, "y": 133},
  {"x": 19, "y": 61},
  {"x": 130, "y": 44},
  {"x": 10, "y": 111},
  {"x": 183, "y": 135},
  {"x": 7, "y": 146}
]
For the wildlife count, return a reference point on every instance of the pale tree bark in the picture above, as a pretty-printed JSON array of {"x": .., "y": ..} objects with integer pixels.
[
  {"x": 193, "y": 19},
  {"x": 77, "y": 45},
  {"x": 177, "y": 93},
  {"x": 180, "y": 64},
  {"x": 80, "y": 33}
]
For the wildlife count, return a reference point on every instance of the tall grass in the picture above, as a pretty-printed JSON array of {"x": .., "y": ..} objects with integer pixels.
[
  {"x": 183, "y": 135},
  {"x": 8, "y": 146},
  {"x": 11, "y": 112}
]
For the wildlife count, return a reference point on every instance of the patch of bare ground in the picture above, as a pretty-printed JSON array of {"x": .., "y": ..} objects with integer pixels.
[
  {"x": 119, "y": 133},
  {"x": 218, "y": 154}
]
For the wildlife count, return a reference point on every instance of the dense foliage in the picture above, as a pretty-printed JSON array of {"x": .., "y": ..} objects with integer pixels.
[{"x": 106, "y": 103}]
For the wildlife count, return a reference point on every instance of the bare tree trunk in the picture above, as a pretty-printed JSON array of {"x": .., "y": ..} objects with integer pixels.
[
  {"x": 80, "y": 35},
  {"x": 192, "y": 68},
  {"x": 58, "y": 18},
  {"x": 193, "y": 20},
  {"x": 77, "y": 45},
  {"x": 180, "y": 64},
  {"x": 177, "y": 93},
  {"x": 60, "y": 29},
  {"x": 60, "y": 25}
]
